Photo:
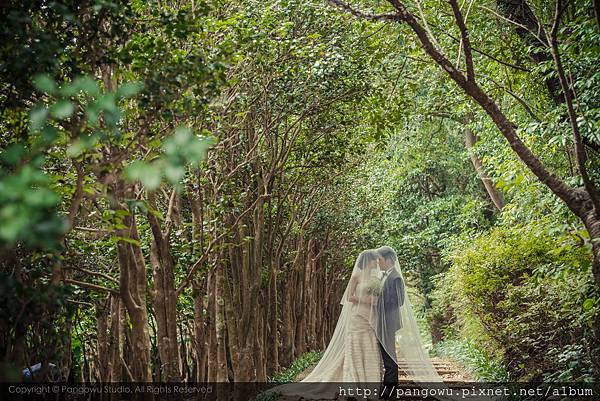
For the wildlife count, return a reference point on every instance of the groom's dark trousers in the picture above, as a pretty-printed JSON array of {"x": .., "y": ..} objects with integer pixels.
[{"x": 390, "y": 376}]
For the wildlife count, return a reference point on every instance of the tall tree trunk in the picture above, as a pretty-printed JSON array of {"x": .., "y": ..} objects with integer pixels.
[
  {"x": 259, "y": 352},
  {"x": 490, "y": 187},
  {"x": 115, "y": 346},
  {"x": 592, "y": 224},
  {"x": 273, "y": 330},
  {"x": 165, "y": 297},
  {"x": 164, "y": 302},
  {"x": 200, "y": 332},
  {"x": 109, "y": 339},
  {"x": 231, "y": 290},
  {"x": 288, "y": 332},
  {"x": 211, "y": 328},
  {"x": 102, "y": 340},
  {"x": 220, "y": 327},
  {"x": 133, "y": 289}
]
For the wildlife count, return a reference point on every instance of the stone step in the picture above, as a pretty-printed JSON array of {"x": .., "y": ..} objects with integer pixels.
[{"x": 450, "y": 372}]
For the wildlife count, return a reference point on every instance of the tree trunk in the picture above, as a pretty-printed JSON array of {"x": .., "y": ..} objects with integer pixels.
[
  {"x": 164, "y": 302},
  {"x": 259, "y": 352},
  {"x": 109, "y": 340},
  {"x": 102, "y": 340},
  {"x": 592, "y": 224},
  {"x": 273, "y": 331},
  {"x": 133, "y": 288},
  {"x": 165, "y": 298},
  {"x": 211, "y": 328},
  {"x": 220, "y": 327},
  {"x": 115, "y": 345},
  {"x": 200, "y": 333},
  {"x": 490, "y": 187},
  {"x": 231, "y": 289}
]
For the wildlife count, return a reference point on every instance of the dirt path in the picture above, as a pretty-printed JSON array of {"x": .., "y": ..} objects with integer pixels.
[{"x": 449, "y": 370}]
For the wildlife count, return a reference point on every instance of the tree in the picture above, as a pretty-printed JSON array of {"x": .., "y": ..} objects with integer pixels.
[{"x": 582, "y": 201}]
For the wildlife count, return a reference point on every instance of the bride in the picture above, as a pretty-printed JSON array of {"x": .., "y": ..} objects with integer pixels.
[
  {"x": 376, "y": 325},
  {"x": 353, "y": 353}
]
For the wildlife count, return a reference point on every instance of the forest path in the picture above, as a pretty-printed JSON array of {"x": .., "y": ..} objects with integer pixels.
[{"x": 448, "y": 369}]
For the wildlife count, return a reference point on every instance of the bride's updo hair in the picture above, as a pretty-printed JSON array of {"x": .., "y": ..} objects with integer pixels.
[
  {"x": 388, "y": 253},
  {"x": 365, "y": 257}
]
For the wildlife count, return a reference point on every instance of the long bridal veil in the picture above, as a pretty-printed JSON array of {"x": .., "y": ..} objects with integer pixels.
[
  {"x": 396, "y": 326},
  {"x": 379, "y": 297}
]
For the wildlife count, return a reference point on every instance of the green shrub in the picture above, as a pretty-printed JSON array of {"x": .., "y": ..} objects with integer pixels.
[
  {"x": 298, "y": 366},
  {"x": 475, "y": 359},
  {"x": 525, "y": 295}
]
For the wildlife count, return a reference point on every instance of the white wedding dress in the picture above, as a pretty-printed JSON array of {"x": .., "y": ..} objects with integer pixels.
[
  {"x": 367, "y": 325},
  {"x": 360, "y": 361}
]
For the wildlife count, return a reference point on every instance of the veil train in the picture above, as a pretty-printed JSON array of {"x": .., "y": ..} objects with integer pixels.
[{"x": 375, "y": 297}]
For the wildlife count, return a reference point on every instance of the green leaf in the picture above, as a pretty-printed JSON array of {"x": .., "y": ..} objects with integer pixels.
[
  {"x": 185, "y": 145},
  {"x": 129, "y": 89},
  {"x": 49, "y": 135},
  {"x": 12, "y": 227},
  {"x": 37, "y": 117},
  {"x": 88, "y": 85},
  {"x": 107, "y": 102},
  {"x": 148, "y": 174},
  {"x": 40, "y": 198},
  {"x": 83, "y": 143},
  {"x": 588, "y": 304},
  {"x": 128, "y": 240},
  {"x": 112, "y": 118},
  {"x": 76, "y": 148},
  {"x": 174, "y": 173},
  {"x": 13, "y": 153},
  {"x": 92, "y": 113},
  {"x": 198, "y": 149},
  {"x": 68, "y": 90},
  {"x": 44, "y": 83},
  {"x": 80, "y": 84},
  {"x": 62, "y": 109}
]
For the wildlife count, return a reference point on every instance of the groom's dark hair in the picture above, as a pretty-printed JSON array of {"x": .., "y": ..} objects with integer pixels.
[{"x": 388, "y": 253}]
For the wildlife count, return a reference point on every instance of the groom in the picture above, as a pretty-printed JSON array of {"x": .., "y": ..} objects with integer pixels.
[{"x": 389, "y": 303}]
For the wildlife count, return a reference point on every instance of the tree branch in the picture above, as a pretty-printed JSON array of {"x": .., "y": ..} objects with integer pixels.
[
  {"x": 368, "y": 16},
  {"x": 98, "y": 274},
  {"x": 519, "y": 99},
  {"x": 188, "y": 278},
  {"x": 91, "y": 286},
  {"x": 169, "y": 218},
  {"x": 77, "y": 195},
  {"x": 580, "y": 153},
  {"x": 466, "y": 42},
  {"x": 507, "y": 64},
  {"x": 506, "y": 127}
]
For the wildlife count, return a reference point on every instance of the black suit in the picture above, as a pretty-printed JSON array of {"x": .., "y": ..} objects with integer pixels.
[{"x": 389, "y": 303}]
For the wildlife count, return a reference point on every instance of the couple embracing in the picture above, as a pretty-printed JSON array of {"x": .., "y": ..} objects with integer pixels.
[{"x": 376, "y": 329}]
